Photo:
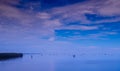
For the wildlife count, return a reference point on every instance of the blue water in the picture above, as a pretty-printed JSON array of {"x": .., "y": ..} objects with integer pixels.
[{"x": 38, "y": 62}]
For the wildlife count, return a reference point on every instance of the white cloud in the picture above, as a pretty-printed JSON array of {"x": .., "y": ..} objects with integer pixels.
[
  {"x": 80, "y": 27},
  {"x": 43, "y": 15}
]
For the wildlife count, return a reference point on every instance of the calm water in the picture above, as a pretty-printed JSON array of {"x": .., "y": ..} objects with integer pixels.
[{"x": 38, "y": 62}]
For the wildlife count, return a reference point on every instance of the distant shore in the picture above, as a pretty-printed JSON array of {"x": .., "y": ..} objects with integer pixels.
[{"x": 5, "y": 56}]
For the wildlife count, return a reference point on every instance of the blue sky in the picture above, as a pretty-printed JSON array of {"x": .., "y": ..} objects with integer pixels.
[{"x": 26, "y": 24}]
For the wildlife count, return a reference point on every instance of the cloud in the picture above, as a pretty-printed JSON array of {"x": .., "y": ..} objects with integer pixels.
[
  {"x": 51, "y": 39},
  {"x": 80, "y": 27},
  {"x": 44, "y": 23},
  {"x": 102, "y": 35},
  {"x": 25, "y": 21},
  {"x": 77, "y": 12},
  {"x": 110, "y": 8},
  {"x": 43, "y": 15}
]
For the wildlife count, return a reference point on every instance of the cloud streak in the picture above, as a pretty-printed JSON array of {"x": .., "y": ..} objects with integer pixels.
[
  {"x": 77, "y": 12},
  {"x": 44, "y": 23}
]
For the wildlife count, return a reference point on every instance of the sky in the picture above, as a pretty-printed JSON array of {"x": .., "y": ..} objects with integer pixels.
[{"x": 33, "y": 25}]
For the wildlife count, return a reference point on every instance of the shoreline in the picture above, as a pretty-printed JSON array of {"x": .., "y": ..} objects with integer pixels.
[{"x": 6, "y": 56}]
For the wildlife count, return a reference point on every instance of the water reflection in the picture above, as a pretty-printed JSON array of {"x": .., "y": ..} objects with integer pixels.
[{"x": 38, "y": 62}]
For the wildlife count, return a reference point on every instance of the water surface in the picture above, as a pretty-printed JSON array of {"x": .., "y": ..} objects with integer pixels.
[{"x": 38, "y": 62}]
